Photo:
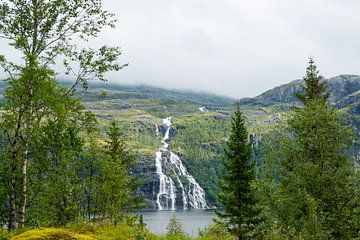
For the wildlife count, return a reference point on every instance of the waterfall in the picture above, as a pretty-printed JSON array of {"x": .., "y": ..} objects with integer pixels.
[
  {"x": 192, "y": 195},
  {"x": 166, "y": 188},
  {"x": 195, "y": 194}
]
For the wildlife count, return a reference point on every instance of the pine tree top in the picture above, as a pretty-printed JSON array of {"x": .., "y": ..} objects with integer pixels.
[
  {"x": 314, "y": 89},
  {"x": 115, "y": 144}
]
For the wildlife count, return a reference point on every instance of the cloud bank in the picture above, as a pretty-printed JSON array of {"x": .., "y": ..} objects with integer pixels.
[{"x": 232, "y": 47}]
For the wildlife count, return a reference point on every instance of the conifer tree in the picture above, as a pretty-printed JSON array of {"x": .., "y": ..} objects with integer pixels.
[
  {"x": 117, "y": 183},
  {"x": 115, "y": 147},
  {"x": 317, "y": 195},
  {"x": 314, "y": 89},
  {"x": 240, "y": 212}
]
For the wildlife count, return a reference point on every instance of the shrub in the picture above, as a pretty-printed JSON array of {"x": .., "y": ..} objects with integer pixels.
[{"x": 175, "y": 227}]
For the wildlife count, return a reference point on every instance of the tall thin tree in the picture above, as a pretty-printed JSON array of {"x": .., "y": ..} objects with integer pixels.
[{"x": 237, "y": 196}]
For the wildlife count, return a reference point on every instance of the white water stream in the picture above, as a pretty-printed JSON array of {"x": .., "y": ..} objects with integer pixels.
[{"x": 192, "y": 195}]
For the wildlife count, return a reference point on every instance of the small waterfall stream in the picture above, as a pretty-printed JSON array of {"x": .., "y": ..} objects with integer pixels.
[{"x": 185, "y": 189}]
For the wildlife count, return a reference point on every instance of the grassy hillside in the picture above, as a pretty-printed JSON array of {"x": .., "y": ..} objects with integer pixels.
[{"x": 139, "y": 109}]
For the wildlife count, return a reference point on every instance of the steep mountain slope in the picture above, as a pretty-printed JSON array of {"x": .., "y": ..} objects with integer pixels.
[
  {"x": 140, "y": 111},
  {"x": 198, "y": 134}
]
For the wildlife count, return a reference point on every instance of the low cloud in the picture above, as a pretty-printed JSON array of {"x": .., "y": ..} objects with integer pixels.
[{"x": 232, "y": 47}]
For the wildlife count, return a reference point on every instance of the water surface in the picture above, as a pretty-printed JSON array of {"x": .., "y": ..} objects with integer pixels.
[{"x": 191, "y": 220}]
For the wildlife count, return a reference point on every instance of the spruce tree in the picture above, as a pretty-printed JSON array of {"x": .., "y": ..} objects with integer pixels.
[
  {"x": 314, "y": 89},
  {"x": 117, "y": 184},
  {"x": 240, "y": 212},
  {"x": 320, "y": 162},
  {"x": 317, "y": 194},
  {"x": 115, "y": 147}
]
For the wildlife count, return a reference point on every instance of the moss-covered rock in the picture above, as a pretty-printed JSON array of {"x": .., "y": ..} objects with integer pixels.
[{"x": 54, "y": 234}]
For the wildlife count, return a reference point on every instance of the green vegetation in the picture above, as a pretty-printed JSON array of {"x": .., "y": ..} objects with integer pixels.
[
  {"x": 42, "y": 123},
  {"x": 314, "y": 90},
  {"x": 107, "y": 180},
  {"x": 53, "y": 233},
  {"x": 200, "y": 140},
  {"x": 308, "y": 161},
  {"x": 240, "y": 211}
]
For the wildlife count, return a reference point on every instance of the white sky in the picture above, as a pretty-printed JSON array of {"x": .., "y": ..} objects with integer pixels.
[{"x": 237, "y": 48}]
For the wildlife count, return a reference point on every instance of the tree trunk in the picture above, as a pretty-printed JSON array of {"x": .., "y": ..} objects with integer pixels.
[
  {"x": 32, "y": 65},
  {"x": 23, "y": 190},
  {"x": 12, "y": 218},
  {"x": 23, "y": 199}
]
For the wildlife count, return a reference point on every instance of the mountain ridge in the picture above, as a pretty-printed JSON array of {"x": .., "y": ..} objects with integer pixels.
[{"x": 341, "y": 86}]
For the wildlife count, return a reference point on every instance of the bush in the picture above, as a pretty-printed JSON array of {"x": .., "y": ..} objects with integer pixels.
[{"x": 175, "y": 227}]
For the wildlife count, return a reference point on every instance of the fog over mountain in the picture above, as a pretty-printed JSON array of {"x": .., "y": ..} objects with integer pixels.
[{"x": 231, "y": 47}]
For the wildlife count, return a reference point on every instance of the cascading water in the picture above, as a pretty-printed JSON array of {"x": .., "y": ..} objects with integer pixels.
[
  {"x": 166, "y": 188},
  {"x": 191, "y": 194}
]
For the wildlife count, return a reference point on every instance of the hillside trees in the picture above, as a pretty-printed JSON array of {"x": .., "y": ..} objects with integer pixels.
[
  {"x": 240, "y": 213},
  {"x": 315, "y": 188},
  {"x": 44, "y": 32}
]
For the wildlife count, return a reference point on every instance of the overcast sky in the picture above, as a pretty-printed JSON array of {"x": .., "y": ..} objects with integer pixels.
[{"x": 232, "y": 47}]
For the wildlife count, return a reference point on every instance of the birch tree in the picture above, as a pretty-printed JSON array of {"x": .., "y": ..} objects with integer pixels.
[{"x": 46, "y": 33}]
